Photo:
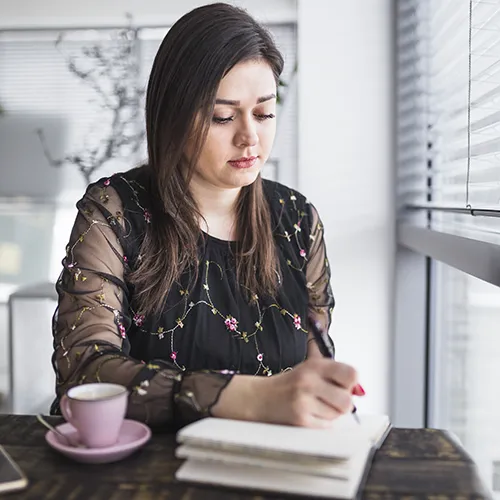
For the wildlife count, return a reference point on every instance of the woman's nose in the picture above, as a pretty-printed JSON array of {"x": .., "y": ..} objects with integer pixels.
[{"x": 247, "y": 135}]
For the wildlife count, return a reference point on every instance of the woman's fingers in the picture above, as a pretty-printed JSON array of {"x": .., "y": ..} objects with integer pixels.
[
  {"x": 333, "y": 397},
  {"x": 338, "y": 373}
]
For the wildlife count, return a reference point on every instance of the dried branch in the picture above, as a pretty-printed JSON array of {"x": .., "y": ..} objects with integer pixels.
[{"x": 111, "y": 69}]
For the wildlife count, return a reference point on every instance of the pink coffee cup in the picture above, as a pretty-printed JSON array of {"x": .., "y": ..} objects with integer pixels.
[{"x": 97, "y": 412}]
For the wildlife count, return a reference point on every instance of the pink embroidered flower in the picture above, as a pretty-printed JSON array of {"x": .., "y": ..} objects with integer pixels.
[
  {"x": 231, "y": 323},
  {"x": 107, "y": 182},
  {"x": 121, "y": 329},
  {"x": 303, "y": 253},
  {"x": 147, "y": 216},
  {"x": 125, "y": 259},
  {"x": 296, "y": 321},
  {"x": 260, "y": 357},
  {"x": 173, "y": 355},
  {"x": 139, "y": 319}
]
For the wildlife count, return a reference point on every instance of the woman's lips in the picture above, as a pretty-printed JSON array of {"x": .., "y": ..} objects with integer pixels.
[{"x": 243, "y": 162}]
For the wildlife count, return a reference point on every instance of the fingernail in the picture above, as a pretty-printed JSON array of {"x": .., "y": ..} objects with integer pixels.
[{"x": 358, "y": 390}]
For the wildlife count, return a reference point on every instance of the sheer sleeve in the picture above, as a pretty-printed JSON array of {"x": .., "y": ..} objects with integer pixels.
[
  {"x": 90, "y": 325},
  {"x": 321, "y": 301}
]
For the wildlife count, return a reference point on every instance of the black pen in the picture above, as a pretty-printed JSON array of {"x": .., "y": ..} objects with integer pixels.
[{"x": 326, "y": 350}]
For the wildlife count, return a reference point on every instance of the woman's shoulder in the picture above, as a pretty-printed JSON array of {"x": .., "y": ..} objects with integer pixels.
[
  {"x": 280, "y": 195},
  {"x": 129, "y": 188},
  {"x": 291, "y": 211}
]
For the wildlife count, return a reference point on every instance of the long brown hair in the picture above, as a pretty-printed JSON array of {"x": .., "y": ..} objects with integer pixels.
[{"x": 197, "y": 52}]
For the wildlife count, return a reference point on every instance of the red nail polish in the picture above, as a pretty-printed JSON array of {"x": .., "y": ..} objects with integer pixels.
[{"x": 358, "y": 390}]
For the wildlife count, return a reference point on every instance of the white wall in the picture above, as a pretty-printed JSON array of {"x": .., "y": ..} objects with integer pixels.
[
  {"x": 345, "y": 146},
  {"x": 345, "y": 168}
]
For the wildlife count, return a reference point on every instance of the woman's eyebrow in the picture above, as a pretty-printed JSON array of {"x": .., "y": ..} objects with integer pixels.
[{"x": 230, "y": 102}]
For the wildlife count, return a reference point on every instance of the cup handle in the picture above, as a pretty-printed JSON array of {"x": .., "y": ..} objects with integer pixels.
[{"x": 65, "y": 406}]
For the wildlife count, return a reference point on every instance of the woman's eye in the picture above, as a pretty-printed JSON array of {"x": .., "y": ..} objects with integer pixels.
[
  {"x": 265, "y": 117},
  {"x": 222, "y": 120}
]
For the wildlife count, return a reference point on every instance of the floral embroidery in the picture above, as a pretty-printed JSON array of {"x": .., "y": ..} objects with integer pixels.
[
  {"x": 122, "y": 330},
  {"x": 290, "y": 238},
  {"x": 139, "y": 319},
  {"x": 141, "y": 388},
  {"x": 231, "y": 323},
  {"x": 297, "y": 322}
]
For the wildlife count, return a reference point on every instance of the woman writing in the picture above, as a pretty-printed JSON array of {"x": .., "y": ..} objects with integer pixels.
[{"x": 191, "y": 280}]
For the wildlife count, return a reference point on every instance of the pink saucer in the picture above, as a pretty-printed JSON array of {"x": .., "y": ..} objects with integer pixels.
[{"x": 132, "y": 436}]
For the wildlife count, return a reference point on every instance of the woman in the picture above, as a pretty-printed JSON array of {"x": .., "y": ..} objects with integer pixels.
[{"x": 188, "y": 276}]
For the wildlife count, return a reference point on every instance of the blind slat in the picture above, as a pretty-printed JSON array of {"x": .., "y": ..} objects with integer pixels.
[{"x": 449, "y": 145}]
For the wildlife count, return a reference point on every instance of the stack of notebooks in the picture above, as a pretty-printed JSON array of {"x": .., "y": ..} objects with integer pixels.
[{"x": 326, "y": 463}]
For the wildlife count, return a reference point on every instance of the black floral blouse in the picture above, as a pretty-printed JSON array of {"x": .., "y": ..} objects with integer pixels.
[{"x": 176, "y": 363}]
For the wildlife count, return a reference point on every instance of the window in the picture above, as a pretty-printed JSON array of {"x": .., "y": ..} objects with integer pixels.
[
  {"x": 466, "y": 368},
  {"x": 448, "y": 105},
  {"x": 38, "y": 92}
]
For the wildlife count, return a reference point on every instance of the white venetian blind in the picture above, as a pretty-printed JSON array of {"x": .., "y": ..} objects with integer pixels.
[
  {"x": 449, "y": 114},
  {"x": 37, "y": 91}
]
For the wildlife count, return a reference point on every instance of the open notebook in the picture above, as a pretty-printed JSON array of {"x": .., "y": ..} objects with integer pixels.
[{"x": 327, "y": 463}]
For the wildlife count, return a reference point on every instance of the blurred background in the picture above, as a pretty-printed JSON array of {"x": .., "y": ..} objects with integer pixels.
[{"x": 388, "y": 123}]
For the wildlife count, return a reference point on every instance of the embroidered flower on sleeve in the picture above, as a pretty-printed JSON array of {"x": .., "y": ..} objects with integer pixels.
[
  {"x": 173, "y": 355},
  {"x": 297, "y": 322},
  {"x": 141, "y": 389},
  {"x": 121, "y": 329},
  {"x": 303, "y": 253},
  {"x": 107, "y": 182},
  {"x": 227, "y": 372},
  {"x": 260, "y": 357},
  {"x": 147, "y": 216}
]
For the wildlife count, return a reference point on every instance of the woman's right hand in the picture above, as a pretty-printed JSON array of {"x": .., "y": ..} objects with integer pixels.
[{"x": 311, "y": 395}]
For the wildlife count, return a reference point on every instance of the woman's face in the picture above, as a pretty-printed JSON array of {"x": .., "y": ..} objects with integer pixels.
[{"x": 242, "y": 128}]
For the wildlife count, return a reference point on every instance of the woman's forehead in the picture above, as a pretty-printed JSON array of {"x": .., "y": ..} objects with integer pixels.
[{"x": 247, "y": 81}]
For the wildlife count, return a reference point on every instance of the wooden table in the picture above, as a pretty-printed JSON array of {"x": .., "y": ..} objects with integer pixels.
[{"x": 411, "y": 464}]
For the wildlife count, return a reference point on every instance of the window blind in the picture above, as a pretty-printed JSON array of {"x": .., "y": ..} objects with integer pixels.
[
  {"x": 37, "y": 91},
  {"x": 449, "y": 116}
]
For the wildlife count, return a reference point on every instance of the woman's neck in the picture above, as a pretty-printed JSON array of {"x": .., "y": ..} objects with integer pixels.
[{"x": 218, "y": 207}]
